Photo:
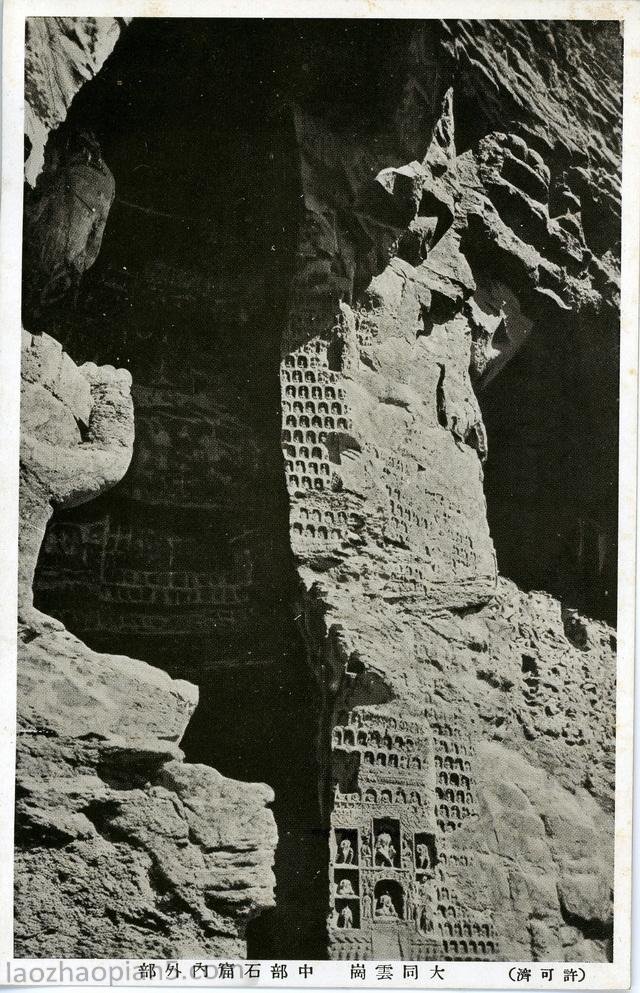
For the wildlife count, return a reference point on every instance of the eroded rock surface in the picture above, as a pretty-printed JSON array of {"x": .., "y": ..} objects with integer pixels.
[{"x": 65, "y": 218}]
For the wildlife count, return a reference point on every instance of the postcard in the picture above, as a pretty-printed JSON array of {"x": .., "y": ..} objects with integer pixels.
[{"x": 319, "y": 458}]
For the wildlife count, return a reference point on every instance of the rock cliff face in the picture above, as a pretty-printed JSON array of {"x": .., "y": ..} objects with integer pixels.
[{"x": 395, "y": 291}]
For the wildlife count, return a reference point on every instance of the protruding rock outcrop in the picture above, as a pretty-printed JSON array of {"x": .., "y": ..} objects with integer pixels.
[{"x": 65, "y": 216}]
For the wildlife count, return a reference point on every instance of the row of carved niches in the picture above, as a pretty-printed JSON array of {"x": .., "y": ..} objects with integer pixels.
[
  {"x": 391, "y": 759},
  {"x": 131, "y": 574},
  {"x": 363, "y": 729},
  {"x": 382, "y": 846},
  {"x": 353, "y": 945}
]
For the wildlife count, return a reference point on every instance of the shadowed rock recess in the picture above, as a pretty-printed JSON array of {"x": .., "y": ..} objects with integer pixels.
[{"x": 364, "y": 278}]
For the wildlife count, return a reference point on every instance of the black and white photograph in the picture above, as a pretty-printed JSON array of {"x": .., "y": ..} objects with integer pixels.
[{"x": 318, "y": 571}]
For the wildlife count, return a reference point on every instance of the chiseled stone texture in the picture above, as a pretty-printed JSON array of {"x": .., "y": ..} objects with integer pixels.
[{"x": 121, "y": 847}]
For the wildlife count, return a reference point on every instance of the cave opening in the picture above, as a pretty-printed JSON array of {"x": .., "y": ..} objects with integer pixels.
[
  {"x": 187, "y": 564},
  {"x": 551, "y": 476}
]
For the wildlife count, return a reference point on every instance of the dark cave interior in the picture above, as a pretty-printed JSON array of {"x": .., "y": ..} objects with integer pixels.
[{"x": 187, "y": 563}]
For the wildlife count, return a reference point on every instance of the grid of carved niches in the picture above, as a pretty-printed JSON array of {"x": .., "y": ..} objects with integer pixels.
[
  {"x": 465, "y": 934},
  {"x": 455, "y": 798},
  {"x": 364, "y": 335},
  {"x": 381, "y": 747},
  {"x": 318, "y": 523},
  {"x": 313, "y": 404},
  {"x": 175, "y": 588},
  {"x": 382, "y": 870}
]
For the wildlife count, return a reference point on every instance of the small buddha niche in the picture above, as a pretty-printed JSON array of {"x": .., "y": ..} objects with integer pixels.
[
  {"x": 386, "y": 846},
  {"x": 388, "y": 900}
]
